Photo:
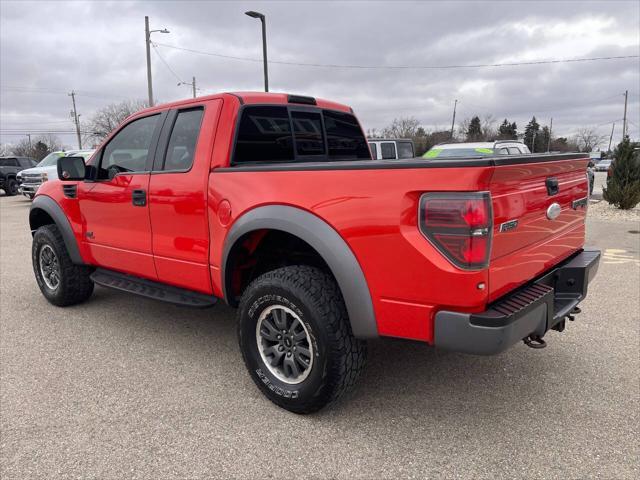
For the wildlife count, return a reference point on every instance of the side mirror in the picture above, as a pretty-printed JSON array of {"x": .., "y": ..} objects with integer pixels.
[{"x": 71, "y": 168}]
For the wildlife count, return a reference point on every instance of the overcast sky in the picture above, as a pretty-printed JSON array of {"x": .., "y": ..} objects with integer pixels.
[{"x": 97, "y": 48}]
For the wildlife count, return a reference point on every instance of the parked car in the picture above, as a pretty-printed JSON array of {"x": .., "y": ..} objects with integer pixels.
[
  {"x": 477, "y": 149},
  {"x": 391, "y": 149},
  {"x": 227, "y": 197},
  {"x": 603, "y": 165},
  {"x": 10, "y": 167},
  {"x": 31, "y": 179}
]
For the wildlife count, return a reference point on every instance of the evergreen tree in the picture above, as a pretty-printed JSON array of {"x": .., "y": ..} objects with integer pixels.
[
  {"x": 542, "y": 140},
  {"x": 623, "y": 187},
  {"x": 530, "y": 131},
  {"x": 474, "y": 130},
  {"x": 508, "y": 131}
]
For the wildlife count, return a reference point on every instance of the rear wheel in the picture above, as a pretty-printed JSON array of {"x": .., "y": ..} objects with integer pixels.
[
  {"x": 60, "y": 280},
  {"x": 11, "y": 187},
  {"x": 296, "y": 339}
]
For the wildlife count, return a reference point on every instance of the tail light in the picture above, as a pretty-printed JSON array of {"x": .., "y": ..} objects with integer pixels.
[{"x": 459, "y": 225}]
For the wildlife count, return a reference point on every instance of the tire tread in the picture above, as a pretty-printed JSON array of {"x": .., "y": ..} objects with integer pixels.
[{"x": 323, "y": 295}]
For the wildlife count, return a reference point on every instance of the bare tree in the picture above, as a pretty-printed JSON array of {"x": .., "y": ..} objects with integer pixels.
[
  {"x": 5, "y": 149},
  {"x": 588, "y": 139},
  {"x": 488, "y": 127},
  {"x": 373, "y": 133},
  {"x": 403, "y": 127},
  {"x": 38, "y": 148},
  {"x": 109, "y": 117}
]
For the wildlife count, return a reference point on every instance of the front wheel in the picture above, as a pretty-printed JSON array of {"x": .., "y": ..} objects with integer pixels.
[
  {"x": 11, "y": 187},
  {"x": 60, "y": 280},
  {"x": 296, "y": 339}
]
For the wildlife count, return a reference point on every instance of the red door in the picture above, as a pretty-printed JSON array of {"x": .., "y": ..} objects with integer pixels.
[
  {"x": 178, "y": 197},
  {"x": 115, "y": 207}
]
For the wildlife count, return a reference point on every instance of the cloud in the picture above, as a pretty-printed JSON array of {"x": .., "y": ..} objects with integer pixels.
[{"x": 97, "y": 48}]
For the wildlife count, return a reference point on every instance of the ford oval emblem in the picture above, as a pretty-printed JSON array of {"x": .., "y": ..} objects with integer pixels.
[{"x": 553, "y": 211}]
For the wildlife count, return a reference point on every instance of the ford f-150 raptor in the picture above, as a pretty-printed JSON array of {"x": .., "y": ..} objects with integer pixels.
[{"x": 272, "y": 203}]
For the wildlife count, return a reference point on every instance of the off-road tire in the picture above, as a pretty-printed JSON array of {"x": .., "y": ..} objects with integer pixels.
[
  {"x": 338, "y": 357},
  {"x": 74, "y": 285},
  {"x": 11, "y": 187}
]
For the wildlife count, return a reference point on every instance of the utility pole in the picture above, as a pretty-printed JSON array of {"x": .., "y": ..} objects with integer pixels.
[
  {"x": 453, "y": 121},
  {"x": 147, "y": 38},
  {"x": 611, "y": 137},
  {"x": 263, "y": 21},
  {"x": 76, "y": 120},
  {"x": 549, "y": 139},
  {"x": 193, "y": 85},
  {"x": 624, "y": 121}
]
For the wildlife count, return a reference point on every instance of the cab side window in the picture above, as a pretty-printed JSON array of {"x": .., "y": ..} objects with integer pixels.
[
  {"x": 388, "y": 150},
  {"x": 374, "y": 150},
  {"x": 128, "y": 150},
  {"x": 183, "y": 140}
]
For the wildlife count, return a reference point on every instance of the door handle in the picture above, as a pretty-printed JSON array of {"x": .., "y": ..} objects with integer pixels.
[{"x": 139, "y": 198}]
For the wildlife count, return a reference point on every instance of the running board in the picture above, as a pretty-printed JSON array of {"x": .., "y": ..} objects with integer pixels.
[{"x": 151, "y": 289}]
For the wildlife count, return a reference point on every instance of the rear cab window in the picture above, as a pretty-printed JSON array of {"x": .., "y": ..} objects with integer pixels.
[
  {"x": 275, "y": 133},
  {"x": 8, "y": 162},
  {"x": 388, "y": 150},
  {"x": 405, "y": 150}
]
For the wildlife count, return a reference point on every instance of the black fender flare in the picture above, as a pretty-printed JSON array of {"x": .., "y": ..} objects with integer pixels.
[
  {"x": 51, "y": 208},
  {"x": 328, "y": 243}
]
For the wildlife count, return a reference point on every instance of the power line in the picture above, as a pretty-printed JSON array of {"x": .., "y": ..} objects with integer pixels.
[
  {"x": 396, "y": 67},
  {"x": 155, "y": 48}
]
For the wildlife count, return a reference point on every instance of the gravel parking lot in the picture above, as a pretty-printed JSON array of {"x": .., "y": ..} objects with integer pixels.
[{"x": 124, "y": 387}]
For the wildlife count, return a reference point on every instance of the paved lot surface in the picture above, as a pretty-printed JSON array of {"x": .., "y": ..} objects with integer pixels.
[{"x": 123, "y": 387}]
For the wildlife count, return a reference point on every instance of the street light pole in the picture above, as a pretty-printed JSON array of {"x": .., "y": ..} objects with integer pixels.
[
  {"x": 192, "y": 83},
  {"x": 264, "y": 45},
  {"x": 147, "y": 38}
]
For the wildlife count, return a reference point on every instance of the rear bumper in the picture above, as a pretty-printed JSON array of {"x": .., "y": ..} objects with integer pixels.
[{"x": 530, "y": 310}]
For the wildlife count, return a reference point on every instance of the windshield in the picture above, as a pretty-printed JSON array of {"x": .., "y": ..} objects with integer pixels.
[
  {"x": 458, "y": 152},
  {"x": 50, "y": 159}
]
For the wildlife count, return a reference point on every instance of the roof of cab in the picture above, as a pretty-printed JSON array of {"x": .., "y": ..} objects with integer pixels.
[{"x": 250, "y": 98}]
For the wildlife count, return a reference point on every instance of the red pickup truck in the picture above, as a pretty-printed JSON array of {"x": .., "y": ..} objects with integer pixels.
[{"x": 272, "y": 203}]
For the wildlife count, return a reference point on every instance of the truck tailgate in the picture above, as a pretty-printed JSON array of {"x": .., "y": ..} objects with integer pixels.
[{"x": 539, "y": 213}]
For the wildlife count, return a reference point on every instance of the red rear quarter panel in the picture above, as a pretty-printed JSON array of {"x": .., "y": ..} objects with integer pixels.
[{"x": 375, "y": 212}]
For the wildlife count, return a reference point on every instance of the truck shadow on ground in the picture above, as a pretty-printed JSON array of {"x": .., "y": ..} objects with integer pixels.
[{"x": 404, "y": 377}]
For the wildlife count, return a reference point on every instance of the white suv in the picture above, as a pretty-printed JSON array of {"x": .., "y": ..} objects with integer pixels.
[{"x": 31, "y": 178}]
